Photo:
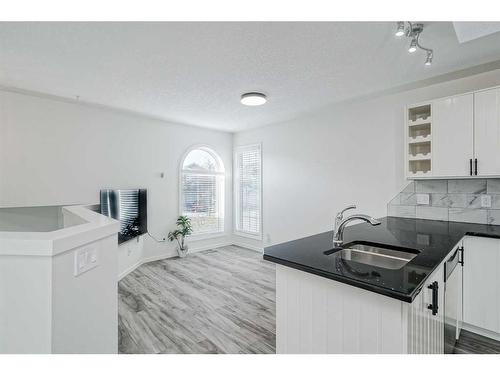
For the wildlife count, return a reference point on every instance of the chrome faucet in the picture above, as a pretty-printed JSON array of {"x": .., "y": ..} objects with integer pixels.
[
  {"x": 340, "y": 224},
  {"x": 340, "y": 215}
]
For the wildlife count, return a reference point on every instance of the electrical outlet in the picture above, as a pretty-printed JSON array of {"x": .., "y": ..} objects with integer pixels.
[
  {"x": 85, "y": 259},
  {"x": 423, "y": 199},
  {"x": 485, "y": 201}
]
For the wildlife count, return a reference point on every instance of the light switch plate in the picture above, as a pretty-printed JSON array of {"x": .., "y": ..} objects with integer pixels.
[
  {"x": 485, "y": 201},
  {"x": 85, "y": 259},
  {"x": 423, "y": 199}
]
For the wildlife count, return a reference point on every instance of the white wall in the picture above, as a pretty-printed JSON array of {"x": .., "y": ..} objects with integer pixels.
[
  {"x": 57, "y": 153},
  {"x": 85, "y": 308},
  {"x": 346, "y": 153}
]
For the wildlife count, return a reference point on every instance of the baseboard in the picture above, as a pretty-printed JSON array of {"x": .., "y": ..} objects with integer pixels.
[
  {"x": 170, "y": 255},
  {"x": 481, "y": 331},
  {"x": 128, "y": 270},
  {"x": 244, "y": 245}
]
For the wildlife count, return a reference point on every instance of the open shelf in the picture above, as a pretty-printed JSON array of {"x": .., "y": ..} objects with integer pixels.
[
  {"x": 422, "y": 130},
  {"x": 420, "y": 157},
  {"x": 419, "y": 141},
  {"x": 420, "y": 121},
  {"x": 419, "y": 168},
  {"x": 420, "y": 148},
  {"x": 420, "y": 113}
]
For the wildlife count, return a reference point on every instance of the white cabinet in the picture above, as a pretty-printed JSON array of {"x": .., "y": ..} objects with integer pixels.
[
  {"x": 487, "y": 132},
  {"x": 482, "y": 285},
  {"x": 452, "y": 135},
  {"x": 456, "y": 136},
  {"x": 425, "y": 325},
  {"x": 318, "y": 315}
]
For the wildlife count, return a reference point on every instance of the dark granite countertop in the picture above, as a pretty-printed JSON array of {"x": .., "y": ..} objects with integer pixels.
[{"x": 434, "y": 239}]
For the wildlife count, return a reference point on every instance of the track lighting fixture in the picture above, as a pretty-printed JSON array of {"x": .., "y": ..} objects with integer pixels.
[{"x": 413, "y": 31}]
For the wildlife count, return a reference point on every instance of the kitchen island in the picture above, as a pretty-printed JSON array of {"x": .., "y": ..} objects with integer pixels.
[{"x": 327, "y": 303}]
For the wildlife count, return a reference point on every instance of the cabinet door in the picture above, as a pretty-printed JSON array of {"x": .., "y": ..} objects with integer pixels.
[
  {"x": 452, "y": 135},
  {"x": 482, "y": 283},
  {"x": 425, "y": 329},
  {"x": 487, "y": 132}
]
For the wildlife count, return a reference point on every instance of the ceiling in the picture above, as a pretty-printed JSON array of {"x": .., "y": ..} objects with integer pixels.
[{"x": 194, "y": 73}]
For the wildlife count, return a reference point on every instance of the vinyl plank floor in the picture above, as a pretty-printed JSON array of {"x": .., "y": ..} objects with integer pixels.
[
  {"x": 471, "y": 343},
  {"x": 215, "y": 301}
]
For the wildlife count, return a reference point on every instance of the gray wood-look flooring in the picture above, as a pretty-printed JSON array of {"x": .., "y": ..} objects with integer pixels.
[
  {"x": 470, "y": 343},
  {"x": 215, "y": 301}
]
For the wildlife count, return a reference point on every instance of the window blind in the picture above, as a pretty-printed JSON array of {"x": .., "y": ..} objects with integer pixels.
[
  {"x": 200, "y": 204},
  {"x": 202, "y": 191},
  {"x": 248, "y": 190}
]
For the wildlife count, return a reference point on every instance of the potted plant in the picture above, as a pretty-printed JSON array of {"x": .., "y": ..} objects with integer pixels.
[{"x": 183, "y": 229}]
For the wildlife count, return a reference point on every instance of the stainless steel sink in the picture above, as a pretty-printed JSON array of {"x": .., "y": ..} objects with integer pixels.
[{"x": 375, "y": 255}]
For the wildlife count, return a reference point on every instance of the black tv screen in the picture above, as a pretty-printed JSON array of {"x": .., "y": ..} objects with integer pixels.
[{"x": 129, "y": 207}]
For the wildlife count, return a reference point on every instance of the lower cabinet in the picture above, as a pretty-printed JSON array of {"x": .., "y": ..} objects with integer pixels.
[
  {"x": 318, "y": 315},
  {"x": 482, "y": 285}
]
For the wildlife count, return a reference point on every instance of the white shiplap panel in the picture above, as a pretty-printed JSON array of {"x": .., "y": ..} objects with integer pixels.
[
  {"x": 350, "y": 322},
  {"x": 391, "y": 325},
  {"x": 335, "y": 303},
  {"x": 317, "y": 315},
  {"x": 369, "y": 326},
  {"x": 306, "y": 309},
  {"x": 293, "y": 315},
  {"x": 426, "y": 331},
  {"x": 332, "y": 317},
  {"x": 319, "y": 324},
  {"x": 281, "y": 317}
]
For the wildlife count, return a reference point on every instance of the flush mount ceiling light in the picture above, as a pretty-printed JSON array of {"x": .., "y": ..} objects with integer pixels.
[
  {"x": 413, "y": 31},
  {"x": 253, "y": 98}
]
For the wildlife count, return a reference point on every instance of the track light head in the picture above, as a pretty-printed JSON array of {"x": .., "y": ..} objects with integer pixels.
[
  {"x": 401, "y": 29},
  {"x": 428, "y": 60},
  {"x": 413, "y": 45}
]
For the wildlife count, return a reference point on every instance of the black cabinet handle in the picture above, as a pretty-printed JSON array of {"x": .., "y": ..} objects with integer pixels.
[
  {"x": 475, "y": 166},
  {"x": 434, "y": 306},
  {"x": 470, "y": 166}
]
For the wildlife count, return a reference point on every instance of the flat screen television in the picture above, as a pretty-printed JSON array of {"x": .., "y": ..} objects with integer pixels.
[{"x": 129, "y": 207}]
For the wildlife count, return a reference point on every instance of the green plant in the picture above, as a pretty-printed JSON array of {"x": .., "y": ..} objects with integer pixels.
[{"x": 183, "y": 229}]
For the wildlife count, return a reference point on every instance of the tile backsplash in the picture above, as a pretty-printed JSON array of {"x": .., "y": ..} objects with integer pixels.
[{"x": 453, "y": 200}]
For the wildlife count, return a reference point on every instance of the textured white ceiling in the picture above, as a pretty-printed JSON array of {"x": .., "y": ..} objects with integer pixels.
[{"x": 194, "y": 73}]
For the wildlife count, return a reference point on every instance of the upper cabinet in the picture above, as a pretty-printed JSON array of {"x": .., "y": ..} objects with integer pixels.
[
  {"x": 487, "y": 132},
  {"x": 457, "y": 136},
  {"x": 453, "y": 135}
]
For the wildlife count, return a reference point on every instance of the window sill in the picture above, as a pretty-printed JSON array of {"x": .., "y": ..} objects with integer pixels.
[
  {"x": 206, "y": 236},
  {"x": 256, "y": 237}
]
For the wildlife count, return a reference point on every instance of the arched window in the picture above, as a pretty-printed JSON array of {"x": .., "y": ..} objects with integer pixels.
[{"x": 202, "y": 190}]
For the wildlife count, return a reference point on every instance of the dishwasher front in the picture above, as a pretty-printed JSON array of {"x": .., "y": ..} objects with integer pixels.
[{"x": 453, "y": 299}]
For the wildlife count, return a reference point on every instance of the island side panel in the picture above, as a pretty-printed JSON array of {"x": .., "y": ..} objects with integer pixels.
[{"x": 318, "y": 315}]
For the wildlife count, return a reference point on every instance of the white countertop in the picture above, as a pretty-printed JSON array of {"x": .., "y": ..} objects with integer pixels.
[{"x": 91, "y": 227}]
